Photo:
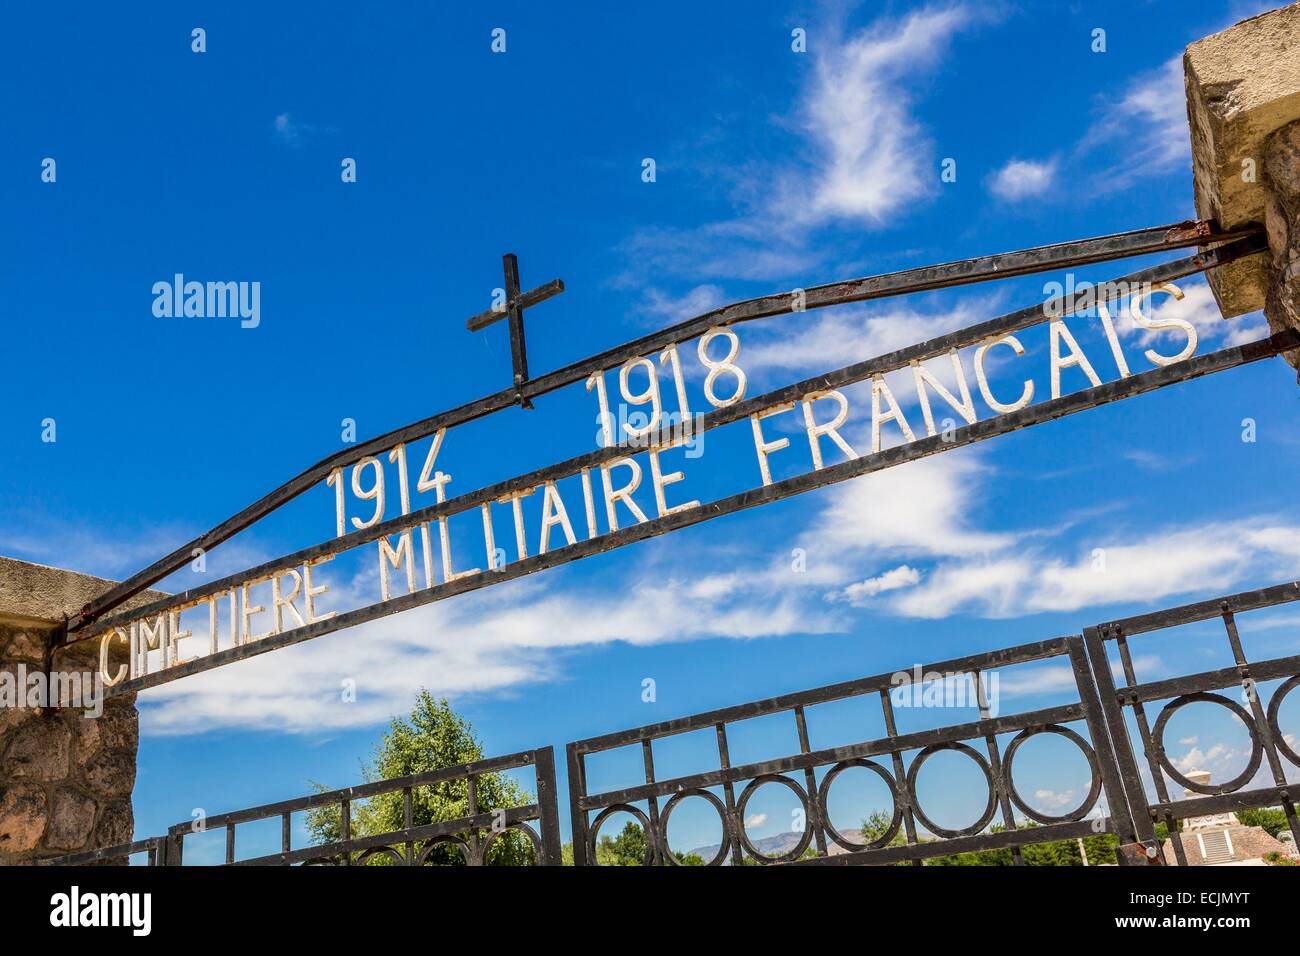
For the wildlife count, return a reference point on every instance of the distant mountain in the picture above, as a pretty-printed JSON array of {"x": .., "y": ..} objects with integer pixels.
[{"x": 778, "y": 844}]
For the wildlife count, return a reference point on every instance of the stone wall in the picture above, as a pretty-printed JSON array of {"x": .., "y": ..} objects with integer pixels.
[
  {"x": 1243, "y": 105},
  {"x": 65, "y": 777}
]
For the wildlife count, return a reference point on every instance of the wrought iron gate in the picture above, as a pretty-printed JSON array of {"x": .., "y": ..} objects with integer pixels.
[
  {"x": 883, "y": 757},
  {"x": 1267, "y": 742},
  {"x": 1096, "y": 719}
]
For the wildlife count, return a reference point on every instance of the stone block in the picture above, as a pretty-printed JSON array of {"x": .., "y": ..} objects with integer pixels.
[
  {"x": 23, "y": 815},
  {"x": 1242, "y": 85}
]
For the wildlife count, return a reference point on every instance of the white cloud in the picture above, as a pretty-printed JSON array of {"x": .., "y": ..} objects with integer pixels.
[
  {"x": 1023, "y": 179},
  {"x": 755, "y": 819},
  {"x": 696, "y": 301},
  {"x": 1051, "y": 800},
  {"x": 1198, "y": 759},
  {"x": 1144, "y": 126},
  {"x": 486, "y": 642},
  {"x": 1154, "y": 108},
  {"x": 874, "y": 157},
  {"x": 1163, "y": 564},
  {"x": 921, "y": 509},
  {"x": 286, "y": 128},
  {"x": 861, "y": 593},
  {"x": 1198, "y": 307},
  {"x": 855, "y": 333},
  {"x": 866, "y": 157}
]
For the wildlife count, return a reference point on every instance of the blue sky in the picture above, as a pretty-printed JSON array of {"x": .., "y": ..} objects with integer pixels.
[{"x": 773, "y": 169}]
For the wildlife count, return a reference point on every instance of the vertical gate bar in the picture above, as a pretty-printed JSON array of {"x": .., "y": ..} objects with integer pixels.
[
  {"x": 174, "y": 848},
  {"x": 733, "y": 822},
  {"x": 471, "y": 809},
  {"x": 286, "y": 826},
  {"x": 1261, "y": 719},
  {"x": 900, "y": 775},
  {"x": 577, "y": 815},
  {"x": 1252, "y": 694},
  {"x": 1112, "y": 708},
  {"x": 547, "y": 807},
  {"x": 1121, "y": 818},
  {"x": 995, "y": 764},
  {"x": 810, "y": 776},
  {"x": 230, "y": 843},
  {"x": 345, "y": 812},
  {"x": 1149, "y": 746},
  {"x": 657, "y": 842}
]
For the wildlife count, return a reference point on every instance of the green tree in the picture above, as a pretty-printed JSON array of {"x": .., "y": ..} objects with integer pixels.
[
  {"x": 1272, "y": 820},
  {"x": 626, "y": 849},
  {"x": 431, "y": 738},
  {"x": 876, "y": 825}
]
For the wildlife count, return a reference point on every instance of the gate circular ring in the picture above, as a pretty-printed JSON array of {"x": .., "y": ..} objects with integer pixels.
[
  {"x": 824, "y": 793},
  {"x": 458, "y": 842},
  {"x": 1158, "y": 741},
  {"x": 1089, "y": 754},
  {"x": 980, "y": 762},
  {"x": 650, "y": 835},
  {"x": 722, "y": 816},
  {"x": 1274, "y": 709},
  {"x": 792, "y": 854},
  {"x": 375, "y": 850},
  {"x": 520, "y": 827}
]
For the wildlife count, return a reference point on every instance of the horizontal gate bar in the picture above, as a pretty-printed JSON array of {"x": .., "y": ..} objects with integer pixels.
[
  {"x": 1208, "y": 680},
  {"x": 1201, "y": 610},
  {"x": 1226, "y": 802},
  {"x": 921, "y": 448},
  {"x": 1002, "y": 840},
  {"x": 982, "y": 269},
  {"x": 980, "y": 332}
]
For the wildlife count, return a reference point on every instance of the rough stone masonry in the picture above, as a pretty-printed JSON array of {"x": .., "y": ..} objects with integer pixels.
[
  {"x": 65, "y": 778},
  {"x": 1243, "y": 104}
]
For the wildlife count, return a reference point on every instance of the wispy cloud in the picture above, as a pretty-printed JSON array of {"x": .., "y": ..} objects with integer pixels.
[
  {"x": 488, "y": 642},
  {"x": 862, "y": 155},
  {"x": 872, "y": 155}
]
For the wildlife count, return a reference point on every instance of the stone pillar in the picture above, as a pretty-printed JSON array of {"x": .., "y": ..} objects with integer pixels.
[
  {"x": 1243, "y": 104},
  {"x": 65, "y": 777}
]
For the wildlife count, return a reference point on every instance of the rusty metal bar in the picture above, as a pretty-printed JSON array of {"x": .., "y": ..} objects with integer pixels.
[
  {"x": 526, "y": 301},
  {"x": 945, "y": 275}
]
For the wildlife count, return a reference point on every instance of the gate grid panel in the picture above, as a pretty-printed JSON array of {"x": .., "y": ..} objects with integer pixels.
[
  {"x": 411, "y": 845},
  {"x": 472, "y": 835},
  {"x": 738, "y": 783},
  {"x": 1267, "y": 742}
]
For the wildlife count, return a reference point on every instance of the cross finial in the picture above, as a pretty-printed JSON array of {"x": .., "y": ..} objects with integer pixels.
[{"x": 513, "y": 310}]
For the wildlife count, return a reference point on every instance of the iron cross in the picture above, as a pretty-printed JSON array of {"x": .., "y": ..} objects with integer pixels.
[{"x": 513, "y": 310}]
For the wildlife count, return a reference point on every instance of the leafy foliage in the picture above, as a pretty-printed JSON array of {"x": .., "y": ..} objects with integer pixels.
[
  {"x": 1272, "y": 821},
  {"x": 433, "y": 737}
]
